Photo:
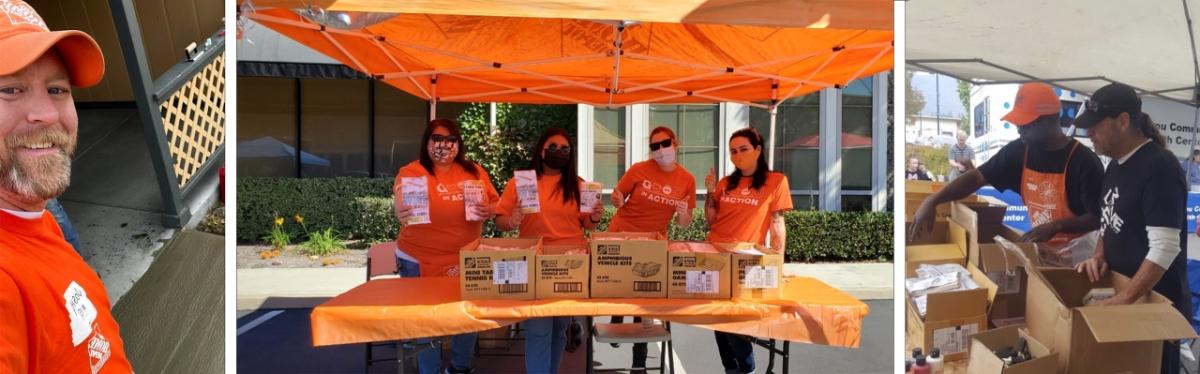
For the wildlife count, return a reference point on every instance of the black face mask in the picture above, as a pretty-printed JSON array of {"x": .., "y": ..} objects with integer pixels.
[{"x": 556, "y": 160}]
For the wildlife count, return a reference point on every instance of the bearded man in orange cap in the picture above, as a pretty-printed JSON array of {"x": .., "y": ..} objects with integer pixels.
[
  {"x": 54, "y": 312},
  {"x": 1058, "y": 179}
]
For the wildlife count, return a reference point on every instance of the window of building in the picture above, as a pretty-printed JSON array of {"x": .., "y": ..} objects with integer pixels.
[
  {"x": 857, "y": 124},
  {"x": 400, "y": 120},
  {"x": 980, "y": 116},
  {"x": 797, "y": 139},
  {"x": 608, "y": 150},
  {"x": 268, "y": 147},
  {"x": 334, "y": 125},
  {"x": 698, "y": 129}
]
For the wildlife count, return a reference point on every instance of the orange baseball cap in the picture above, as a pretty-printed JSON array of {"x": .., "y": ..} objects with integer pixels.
[
  {"x": 1034, "y": 100},
  {"x": 24, "y": 37}
]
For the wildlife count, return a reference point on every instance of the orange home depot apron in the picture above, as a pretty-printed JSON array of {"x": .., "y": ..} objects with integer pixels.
[{"x": 1045, "y": 196}]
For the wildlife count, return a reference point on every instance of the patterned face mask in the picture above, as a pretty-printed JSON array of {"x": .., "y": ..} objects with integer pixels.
[{"x": 442, "y": 152}]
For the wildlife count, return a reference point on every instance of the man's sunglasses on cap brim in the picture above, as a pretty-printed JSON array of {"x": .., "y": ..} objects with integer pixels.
[{"x": 662, "y": 144}]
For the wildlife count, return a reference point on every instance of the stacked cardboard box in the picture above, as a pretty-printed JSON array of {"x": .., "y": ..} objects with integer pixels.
[
  {"x": 494, "y": 268},
  {"x": 628, "y": 265},
  {"x": 951, "y": 317}
]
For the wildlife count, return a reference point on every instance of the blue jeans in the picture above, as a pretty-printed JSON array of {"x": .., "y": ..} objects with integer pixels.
[
  {"x": 737, "y": 353},
  {"x": 462, "y": 347},
  {"x": 545, "y": 341},
  {"x": 64, "y": 224}
]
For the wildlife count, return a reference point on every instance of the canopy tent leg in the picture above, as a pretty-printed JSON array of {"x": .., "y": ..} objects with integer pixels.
[{"x": 433, "y": 99}]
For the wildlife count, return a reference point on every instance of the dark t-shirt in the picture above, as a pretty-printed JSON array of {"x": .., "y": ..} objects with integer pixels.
[
  {"x": 1084, "y": 173},
  {"x": 1147, "y": 190},
  {"x": 916, "y": 175}
]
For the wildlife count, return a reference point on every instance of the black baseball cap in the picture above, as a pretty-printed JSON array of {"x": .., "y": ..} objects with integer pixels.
[{"x": 1109, "y": 101}]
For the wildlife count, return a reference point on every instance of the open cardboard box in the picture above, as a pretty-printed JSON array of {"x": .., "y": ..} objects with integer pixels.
[
  {"x": 941, "y": 213},
  {"x": 1094, "y": 339},
  {"x": 983, "y": 359},
  {"x": 491, "y": 274},
  {"x": 950, "y": 320},
  {"x": 943, "y": 232},
  {"x": 972, "y": 214},
  {"x": 932, "y": 254},
  {"x": 561, "y": 275},
  {"x": 1006, "y": 280},
  {"x": 626, "y": 265}
]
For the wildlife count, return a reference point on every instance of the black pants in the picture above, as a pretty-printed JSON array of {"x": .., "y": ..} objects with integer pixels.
[
  {"x": 1170, "y": 358},
  {"x": 737, "y": 352},
  {"x": 639, "y": 349}
]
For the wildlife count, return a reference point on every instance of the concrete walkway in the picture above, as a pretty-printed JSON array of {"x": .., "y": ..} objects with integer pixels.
[
  {"x": 114, "y": 201},
  {"x": 305, "y": 288}
]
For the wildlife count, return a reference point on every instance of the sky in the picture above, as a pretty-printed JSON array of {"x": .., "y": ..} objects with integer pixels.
[{"x": 951, "y": 106}]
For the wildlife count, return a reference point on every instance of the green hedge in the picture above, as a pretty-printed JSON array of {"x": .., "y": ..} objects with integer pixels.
[{"x": 363, "y": 209}]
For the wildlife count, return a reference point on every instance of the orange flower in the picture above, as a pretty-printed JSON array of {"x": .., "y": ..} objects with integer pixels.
[{"x": 299, "y": 219}]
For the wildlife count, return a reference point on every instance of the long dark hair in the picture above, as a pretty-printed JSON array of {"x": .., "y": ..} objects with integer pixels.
[
  {"x": 452, "y": 128},
  {"x": 1149, "y": 129},
  {"x": 569, "y": 184},
  {"x": 760, "y": 172}
]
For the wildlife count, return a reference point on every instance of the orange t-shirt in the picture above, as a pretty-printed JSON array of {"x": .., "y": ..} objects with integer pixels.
[
  {"x": 558, "y": 223},
  {"x": 435, "y": 245},
  {"x": 652, "y": 195},
  {"x": 54, "y": 312},
  {"x": 743, "y": 213}
]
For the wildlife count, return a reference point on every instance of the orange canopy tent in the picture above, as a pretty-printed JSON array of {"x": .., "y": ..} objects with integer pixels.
[
  {"x": 632, "y": 52},
  {"x": 601, "y": 53}
]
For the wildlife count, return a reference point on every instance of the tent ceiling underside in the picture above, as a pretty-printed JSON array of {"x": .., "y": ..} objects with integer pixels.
[
  {"x": 1079, "y": 46},
  {"x": 561, "y": 61}
]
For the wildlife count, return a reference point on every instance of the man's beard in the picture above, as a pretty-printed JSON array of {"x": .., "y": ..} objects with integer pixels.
[{"x": 39, "y": 178}]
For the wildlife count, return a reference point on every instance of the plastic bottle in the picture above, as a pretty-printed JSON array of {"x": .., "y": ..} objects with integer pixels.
[
  {"x": 936, "y": 361},
  {"x": 922, "y": 367}
]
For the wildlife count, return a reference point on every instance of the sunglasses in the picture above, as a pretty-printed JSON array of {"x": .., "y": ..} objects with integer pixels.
[
  {"x": 554, "y": 148},
  {"x": 437, "y": 138},
  {"x": 662, "y": 144}
]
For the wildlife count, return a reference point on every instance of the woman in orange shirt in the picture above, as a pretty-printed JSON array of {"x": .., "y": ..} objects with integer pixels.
[
  {"x": 445, "y": 171},
  {"x": 744, "y": 207},
  {"x": 559, "y": 222},
  {"x": 648, "y": 195}
]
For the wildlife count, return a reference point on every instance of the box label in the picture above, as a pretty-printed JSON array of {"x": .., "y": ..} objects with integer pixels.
[
  {"x": 639, "y": 286},
  {"x": 758, "y": 277},
  {"x": 702, "y": 282},
  {"x": 510, "y": 272},
  {"x": 954, "y": 339}
]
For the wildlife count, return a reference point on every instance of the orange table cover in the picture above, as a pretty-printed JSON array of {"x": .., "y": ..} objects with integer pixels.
[{"x": 395, "y": 309}]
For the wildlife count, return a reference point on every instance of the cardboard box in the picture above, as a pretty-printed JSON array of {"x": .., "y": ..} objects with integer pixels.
[
  {"x": 980, "y": 211},
  {"x": 768, "y": 272},
  {"x": 626, "y": 265},
  {"x": 943, "y": 232},
  {"x": 504, "y": 274},
  {"x": 698, "y": 270},
  {"x": 1099, "y": 339},
  {"x": 950, "y": 320},
  {"x": 941, "y": 213},
  {"x": 983, "y": 359},
  {"x": 921, "y": 189},
  {"x": 932, "y": 254},
  {"x": 1006, "y": 281},
  {"x": 563, "y": 272}
]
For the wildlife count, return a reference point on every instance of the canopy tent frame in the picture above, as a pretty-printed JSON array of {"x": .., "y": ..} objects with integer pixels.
[{"x": 708, "y": 71}]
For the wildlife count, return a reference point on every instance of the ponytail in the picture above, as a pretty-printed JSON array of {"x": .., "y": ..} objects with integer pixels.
[{"x": 1150, "y": 130}]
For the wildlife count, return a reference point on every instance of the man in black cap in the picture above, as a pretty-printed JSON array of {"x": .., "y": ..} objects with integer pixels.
[{"x": 1143, "y": 217}]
